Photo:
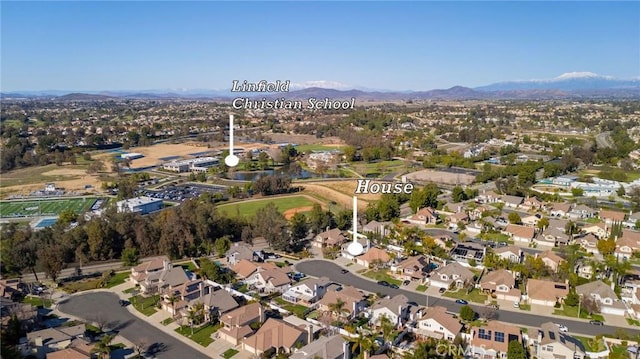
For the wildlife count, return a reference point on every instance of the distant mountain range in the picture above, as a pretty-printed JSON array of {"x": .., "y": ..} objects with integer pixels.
[{"x": 574, "y": 85}]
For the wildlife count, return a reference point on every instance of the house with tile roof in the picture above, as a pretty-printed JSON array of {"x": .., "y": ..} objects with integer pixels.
[
  {"x": 500, "y": 284},
  {"x": 396, "y": 309},
  {"x": 329, "y": 238},
  {"x": 492, "y": 340},
  {"x": 374, "y": 256},
  {"x": 275, "y": 335},
  {"x": 333, "y": 347},
  {"x": 519, "y": 233},
  {"x": 354, "y": 301},
  {"x": 453, "y": 274},
  {"x": 236, "y": 323},
  {"x": 551, "y": 259},
  {"x": 437, "y": 323},
  {"x": 415, "y": 267},
  {"x": 546, "y": 292},
  {"x": 551, "y": 343},
  {"x": 604, "y": 295}
]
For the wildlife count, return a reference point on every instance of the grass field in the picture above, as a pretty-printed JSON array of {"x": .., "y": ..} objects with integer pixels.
[
  {"x": 305, "y": 148},
  {"x": 249, "y": 208},
  {"x": 44, "y": 207}
]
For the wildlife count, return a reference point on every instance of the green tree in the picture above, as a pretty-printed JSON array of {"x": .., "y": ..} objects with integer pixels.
[
  {"x": 103, "y": 347},
  {"x": 222, "y": 244},
  {"x": 514, "y": 218},
  {"x": 516, "y": 350},
  {"x": 606, "y": 246},
  {"x": 577, "y": 192},
  {"x": 467, "y": 313},
  {"x": 66, "y": 217},
  {"x": 299, "y": 226},
  {"x": 458, "y": 194},
  {"x": 130, "y": 257},
  {"x": 349, "y": 153},
  {"x": 543, "y": 223}
]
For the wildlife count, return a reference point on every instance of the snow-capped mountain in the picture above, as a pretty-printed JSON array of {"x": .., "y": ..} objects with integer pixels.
[{"x": 570, "y": 81}]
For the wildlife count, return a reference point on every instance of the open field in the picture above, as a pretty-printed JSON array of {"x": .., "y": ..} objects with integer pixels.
[
  {"x": 317, "y": 147},
  {"x": 70, "y": 177},
  {"x": 440, "y": 177},
  {"x": 379, "y": 167},
  {"x": 343, "y": 199},
  {"x": 348, "y": 188},
  {"x": 44, "y": 207},
  {"x": 284, "y": 204},
  {"x": 304, "y": 139}
]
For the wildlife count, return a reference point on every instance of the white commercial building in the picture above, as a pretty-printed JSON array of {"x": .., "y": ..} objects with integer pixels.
[
  {"x": 142, "y": 205},
  {"x": 194, "y": 164}
]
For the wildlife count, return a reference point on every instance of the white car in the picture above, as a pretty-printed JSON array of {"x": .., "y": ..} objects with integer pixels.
[
  {"x": 562, "y": 328},
  {"x": 516, "y": 305}
]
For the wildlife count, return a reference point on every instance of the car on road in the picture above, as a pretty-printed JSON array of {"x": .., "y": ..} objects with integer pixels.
[
  {"x": 461, "y": 301},
  {"x": 344, "y": 271},
  {"x": 596, "y": 322},
  {"x": 394, "y": 286},
  {"x": 562, "y": 328},
  {"x": 442, "y": 290},
  {"x": 383, "y": 283}
]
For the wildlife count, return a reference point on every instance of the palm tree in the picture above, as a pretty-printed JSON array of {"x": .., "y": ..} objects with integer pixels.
[
  {"x": 337, "y": 307},
  {"x": 362, "y": 344},
  {"x": 387, "y": 328},
  {"x": 102, "y": 348},
  {"x": 172, "y": 299},
  {"x": 192, "y": 318}
]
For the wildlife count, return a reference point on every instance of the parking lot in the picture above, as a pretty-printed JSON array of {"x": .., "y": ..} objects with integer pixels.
[{"x": 180, "y": 193}]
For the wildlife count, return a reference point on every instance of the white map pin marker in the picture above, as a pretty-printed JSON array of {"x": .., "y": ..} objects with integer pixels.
[
  {"x": 355, "y": 248},
  {"x": 231, "y": 160}
]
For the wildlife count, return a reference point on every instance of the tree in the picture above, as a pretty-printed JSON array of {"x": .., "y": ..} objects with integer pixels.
[
  {"x": 337, "y": 307},
  {"x": 299, "y": 226},
  {"x": 362, "y": 344},
  {"x": 130, "y": 257},
  {"x": 458, "y": 194},
  {"x": 272, "y": 225},
  {"x": 543, "y": 223},
  {"x": 577, "y": 192},
  {"x": 590, "y": 305},
  {"x": 606, "y": 246},
  {"x": 66, "y": 217},
  {"x": 467, "y": 313},
  {"x": 425, "y": 197},
  {"x": 572, "y": 299},
  {"x": 103, "y": 347},
  {"x": 343, "y": 219},
  {"x": 222, "y": 244},
  {"x": 514, "y": 218},
  {"x": 387, "y": 328},
  {"x": 172, "y": 299},
  {"x": 516, "y": 351},
  {"x": 52, "y": 258}
]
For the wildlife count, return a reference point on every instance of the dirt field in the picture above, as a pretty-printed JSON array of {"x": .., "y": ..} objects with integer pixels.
[
  {"x": 288, "y": 214},
  {"x": 24, "y": 181},
  {"x": 329, "y": 194},
  {"x": 440, "y": 177},
  {"x": 349, "y": 188}
]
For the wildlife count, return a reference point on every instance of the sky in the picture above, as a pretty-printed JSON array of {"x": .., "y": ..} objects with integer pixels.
[{"x": 108, "y": 46}]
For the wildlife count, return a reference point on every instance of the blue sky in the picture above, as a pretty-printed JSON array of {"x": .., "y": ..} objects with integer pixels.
[{"x": 382, "y": 45}]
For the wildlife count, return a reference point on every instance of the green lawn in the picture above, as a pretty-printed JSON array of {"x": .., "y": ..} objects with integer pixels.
[
  {"x": 167, "y": 321},
  {"x": 297, "y": 309},
  {"x": 568, "y": 311},
  {"x": 201, "y": 335},
  {"x": 633, "y": 322},
  {"x": 381, "y": 274},
  {"x": 475, "y": 295},
  {"x": 145, "y": 305},
  {"x": 229, "y": 353},
  {"x": 117, "y": 279},
  {"x": 590, "y": 344},
  {"x": 37, "y": 302},
  {"x": 378, "y": 167},
  {"x": 421, "y": 288},
  {"x": 316, "y": 147},
  {"x": 81, "y": 285},
  {"x": 48, "y": 207},
  {"x": 249, "y": 208},
  {"x": 525, "y": 307},
  {"x": 496, "y": 237}
]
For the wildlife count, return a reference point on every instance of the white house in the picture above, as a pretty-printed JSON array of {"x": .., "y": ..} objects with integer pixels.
[
  {"x": 604, "y": 296},
  {"x": 453, "y": 274},
  {"x": 309, "y": 291},
  {"x": 437, "y": 323},
  {"x": 396, "y": 309}
]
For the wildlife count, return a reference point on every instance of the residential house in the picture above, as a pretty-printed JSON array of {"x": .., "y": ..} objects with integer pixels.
[
  {"x": 610, "y": 217},
  {"x": 582, "y": 211},
  {"x": 333, "y": 347},
  {"x": 560, "y": 209},
  {"x": 396, "y": 309},
  {"x": 458, "y": 218},
  {"x": 501, "y": 285},
  {"x": 511, "y": 253},
  {"x": 48, "y": 340},
  {"x": 140, "y": 272},
  {"x": 69, "y": 353},
  {"x": 329, "y": 238},
  {"x": 353, "y": 299},
  {"x": 492, "y": 340},
  {"x": 378, "y": 228},
  {"x": 307, "y": 292},
  {"x": 373, "y": 257},
  {"x": 552, "y": 237},
  {"x": 597, "y": 229},
  {"x": 363, "y": 240},
  {"x": 532, "y": 220},
  {"x": 512, "y": 201},
  {"x": 488, "y": 197},
  {"x": 532, "y": 203},
  {"x": 415, "y": 267},
  {"x": 626, "y": 246},
  {"x": 453, "y": 274},
  {"x": 519, "y": 233},
  {"x": 245, "y": 269},
  {"x": 275, "y": 335},
  {"x": 589, "y": 242},
  {"x": 10, "y": 288},
  {"x": 477, "y": 212},
  {"x": 270, "y": 280},
  {"x": 551, "y": 259},
  {"x": 466, "y": 251},
  {"x": 239, "y": 252},
  {"x": 236, "y": 323},
  {"x": 437, "y": 323},
  {"x": 604, "y": 295},
  {"x": 425, "y": 216},
  {"x": 216, "y": 303},
  {"x": 545, "y": 292},
  {"x": 551, "y": 343}
]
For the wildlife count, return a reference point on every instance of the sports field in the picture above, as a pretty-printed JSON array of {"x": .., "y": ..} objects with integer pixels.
[
  {"x": 45, "y": 207},
  {"x": 249, "y": 208}
]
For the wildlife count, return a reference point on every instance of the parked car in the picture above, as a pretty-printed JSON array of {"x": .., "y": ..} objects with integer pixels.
[
  {"x": 596, "y": 322},
  {"x": 461, "y": 301},
  {"x": 383, "y": 283},
  {"x": 442, "y": 290},
  {"x": 562, "y": 328},
  {"x": 406, "y": 282},
  {"x": 344, "y": 271},
  {"x": 516, "y": 305},
  {"x": 394, "y": 286}
]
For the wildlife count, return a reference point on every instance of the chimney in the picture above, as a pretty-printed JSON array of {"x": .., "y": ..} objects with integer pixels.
[
  {"x": 38, "y": 341},
  {"x": 201, "y": 288},
  {"x": 309, "y": 333},
  {"x": 261, "y": 313},
  {"x": 346, "y": 349}
]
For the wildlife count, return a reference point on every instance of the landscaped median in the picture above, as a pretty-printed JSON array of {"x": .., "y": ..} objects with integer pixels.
[{"x": 201, "y": 335}]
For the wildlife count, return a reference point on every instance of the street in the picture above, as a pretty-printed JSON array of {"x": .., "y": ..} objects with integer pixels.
[
  {"x": 318, "y": 268},
  {"x": 102, "y": 306}
]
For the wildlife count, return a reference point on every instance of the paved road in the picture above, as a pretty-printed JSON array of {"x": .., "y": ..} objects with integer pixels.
[
  {"x": 91, "y": 306},
  {"x": 319, "y": 268}
]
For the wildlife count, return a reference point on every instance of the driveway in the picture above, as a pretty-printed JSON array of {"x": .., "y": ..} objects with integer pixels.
[{"x": 100, "y": 306}]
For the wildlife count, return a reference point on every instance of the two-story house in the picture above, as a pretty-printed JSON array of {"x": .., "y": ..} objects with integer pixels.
[
  {"x": 329, "y": 238},
  {"x": 333, "y": 347},
  {"x": 275, "y": 335},
  {"x": 501, "y": 284},
  {"x": 373, "y": 257},
  {"x": 511, "y": 253},
  {"x": 551, "y": 259},
  {"x": 415, "y": 267},
  {"x": 551, "y": 343},
  {"x": 519, "y": 233},
  {"x": 492, "y": 340},
  {"x": 426, "y": 215},
  {"x": 597, "y": 229},
  {"x": 396, "y": 309},
  {"x": 236, "y": 323},
  {"x": 610, "y": 217},
  {"x": 307, "y": 292},
  {"x": 546, "y": 292},
  {"x": 453, "y": 274},
  {"x": 437, "y": 323},
  {"x": 512, "y": 201},
  {"x": 354, "y": 301},
  {"x": 270, "y": 280},
  {"x": 604, "y": 296},
  {"x": 560, "y": 209},
  {"x": 240, "y": 251},
  {"x": 48, "y": 340}
]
